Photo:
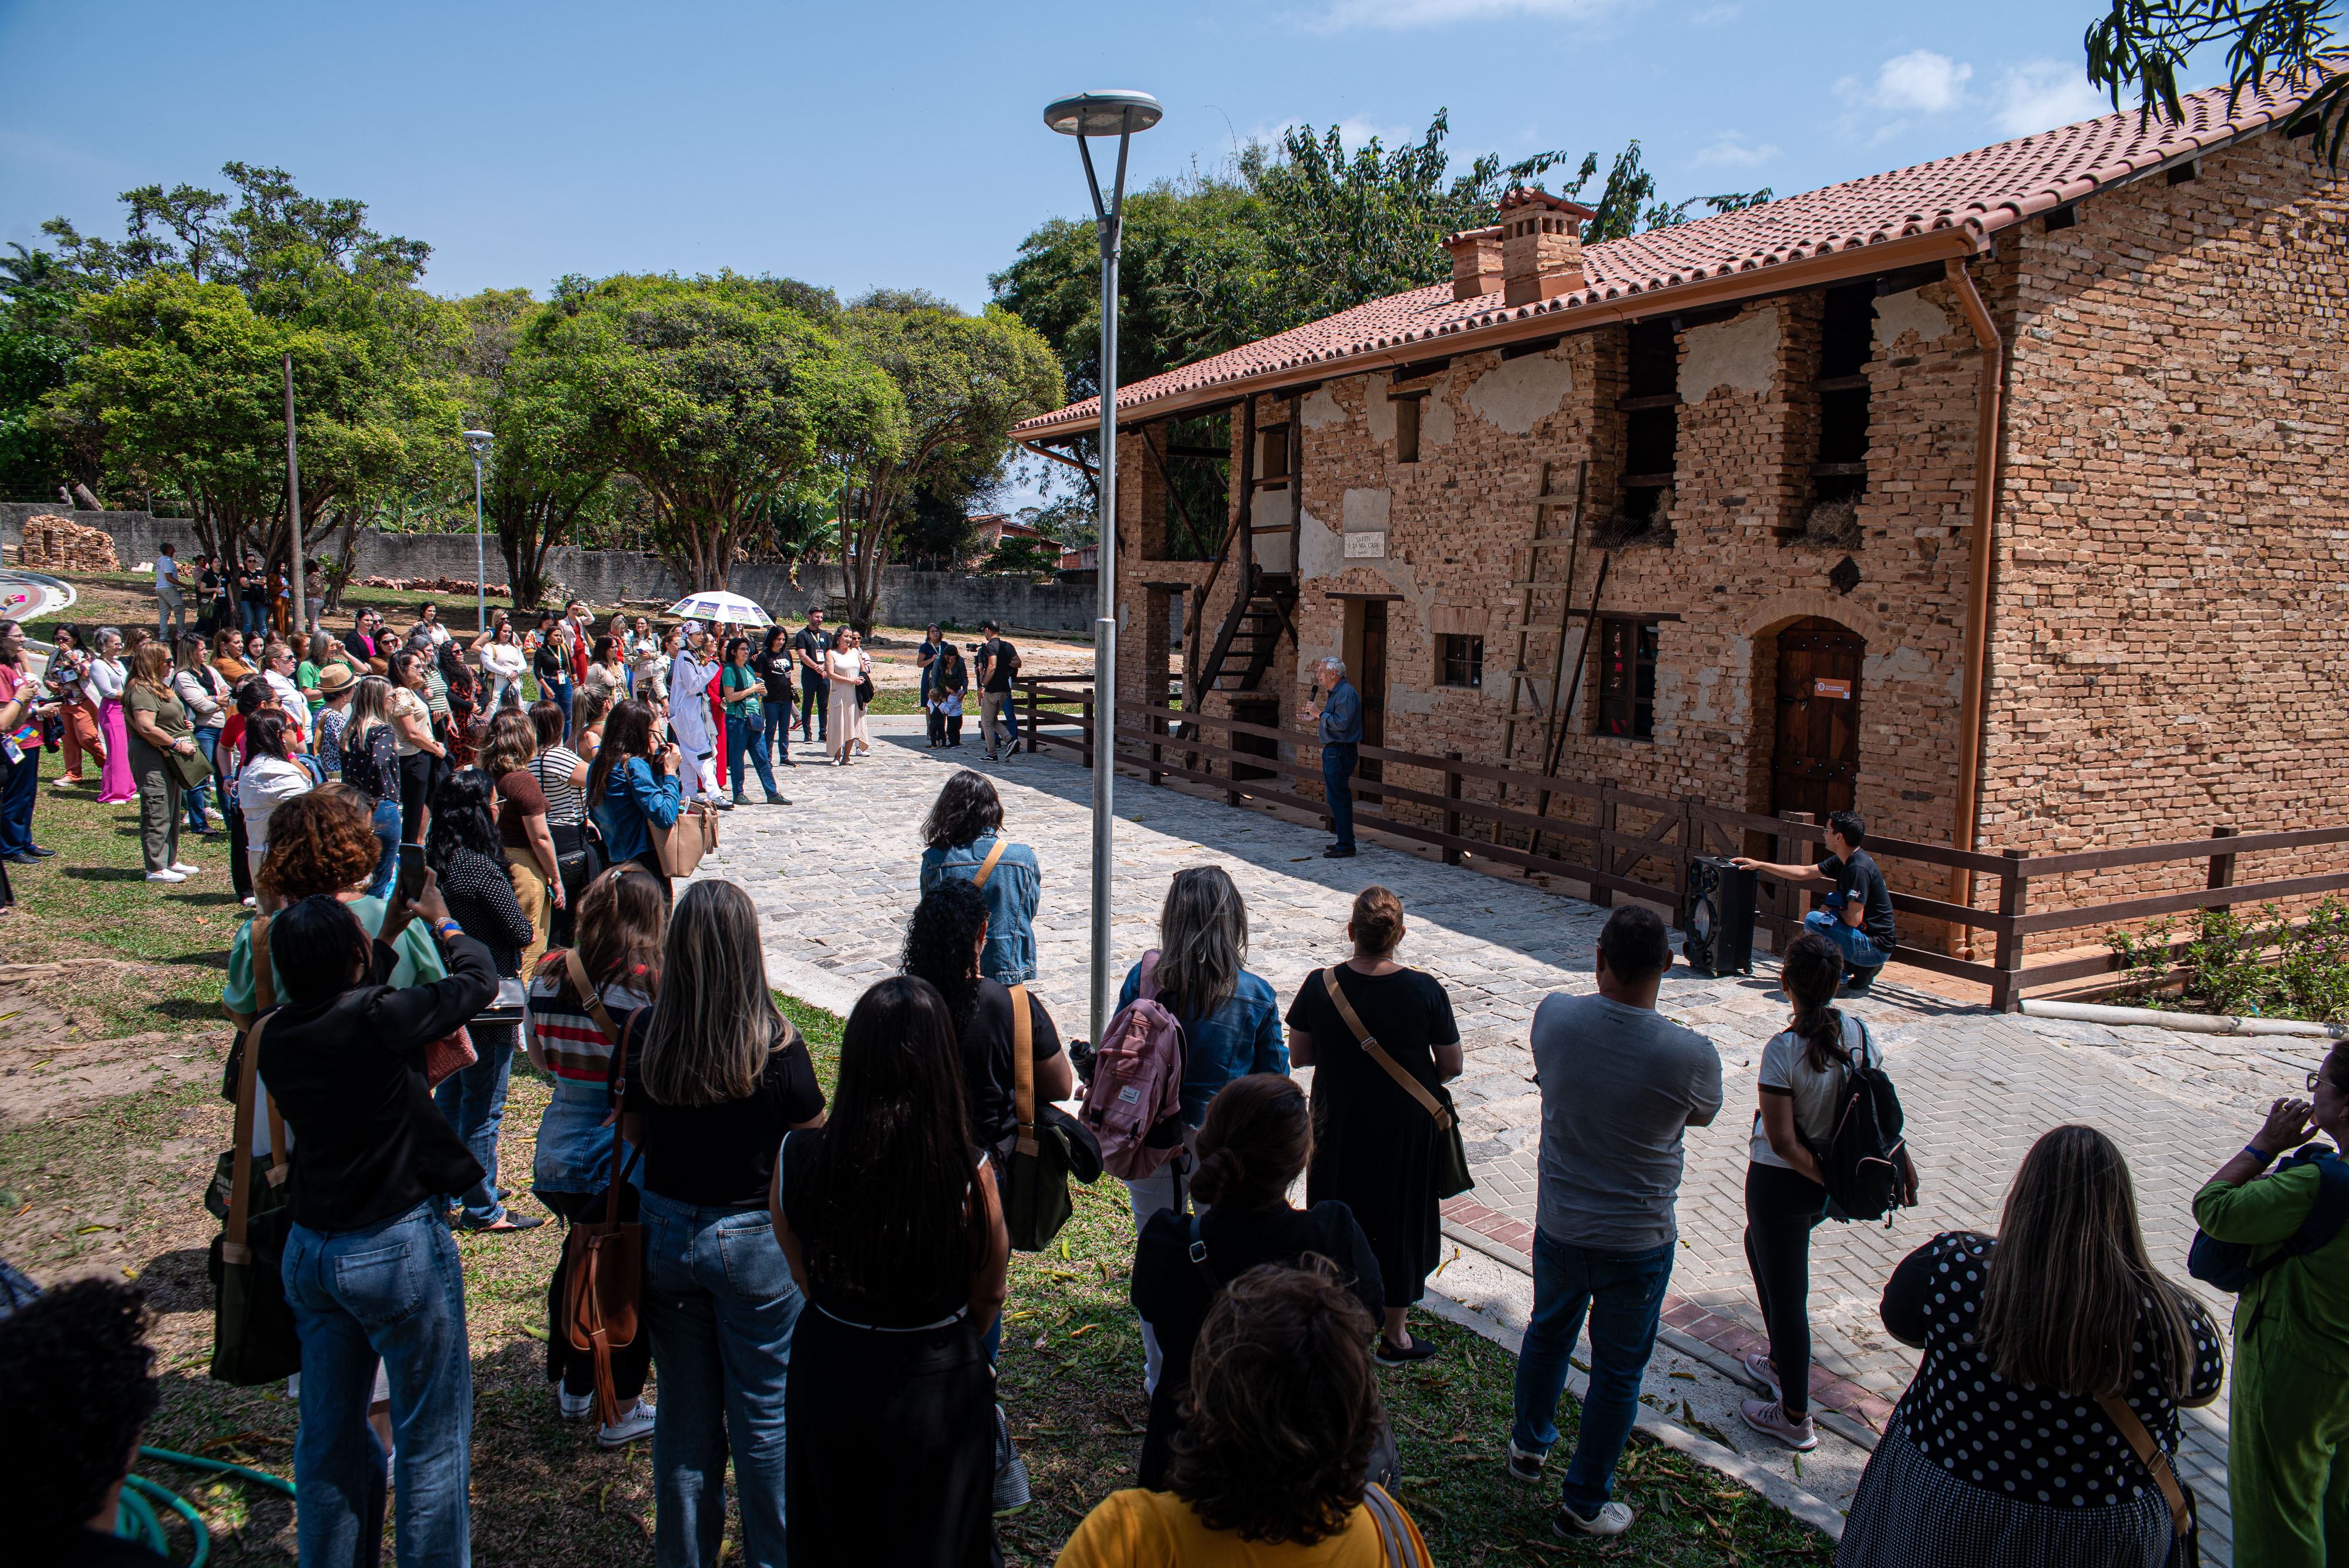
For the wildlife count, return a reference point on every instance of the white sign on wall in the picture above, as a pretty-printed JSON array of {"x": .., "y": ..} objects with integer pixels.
[{"x": 1366, "y": 546}]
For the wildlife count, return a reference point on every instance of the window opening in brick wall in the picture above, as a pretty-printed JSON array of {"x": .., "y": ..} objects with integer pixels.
[
  {"x": 1651, "y": 433},
  {"x": 1199, "y": 489},
  {"x": 1839, "y": 464},
  {"x": 1626, "y": 680},
  {"x": 1463, "y": 660},
  {"x": 1272, "y": 453},
  {"x": 1406, "y": 418}
]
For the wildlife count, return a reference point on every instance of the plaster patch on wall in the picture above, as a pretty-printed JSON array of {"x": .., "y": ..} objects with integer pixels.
[
  {"x": 1910, "y": 311},
  {"x": 1707, "y": 682},
  {"x": 1738, "y": 656},
  {"x": 1404, "y": 699},
  {"x": 1741, "y": 355},
  {"x": 1381, "y": 409},
  {"x": 1323, "y": 551},
  {"x": 1321, "y": 410},
  {"x": 1900, "y": 664},
  {"x": 1435, "y": 419},
  {"x": 1519, "y": 393},
  {"x": 1367, "y": 510},
  {"x": 1955, "y": 685}
]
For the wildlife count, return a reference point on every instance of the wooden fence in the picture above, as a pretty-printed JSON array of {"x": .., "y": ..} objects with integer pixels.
[{"x": 1609, "y": 857}]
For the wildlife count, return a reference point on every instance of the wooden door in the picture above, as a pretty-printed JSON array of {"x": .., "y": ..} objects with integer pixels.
[
  {"x": 1815, "y": 766},
  {"x": 1371, "y": 681}
]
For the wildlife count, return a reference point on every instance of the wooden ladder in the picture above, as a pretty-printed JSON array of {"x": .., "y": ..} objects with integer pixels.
[
  {"x": 1529, "y": 701},
  {"x": 1250, "y": 635}
]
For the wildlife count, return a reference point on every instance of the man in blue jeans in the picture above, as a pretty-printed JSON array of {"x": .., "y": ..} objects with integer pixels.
[
  {"x": 1859, "y": 914},
  {"x": 1339, "y": 713},
  {"x": 1619, "y": 1086}
]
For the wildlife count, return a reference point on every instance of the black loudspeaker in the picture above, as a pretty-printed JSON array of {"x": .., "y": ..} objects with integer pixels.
[{"x": 1721, "y": 917}]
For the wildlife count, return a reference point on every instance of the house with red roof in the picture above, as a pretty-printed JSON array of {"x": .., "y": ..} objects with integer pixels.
[{"x": 2003, "y": 498}]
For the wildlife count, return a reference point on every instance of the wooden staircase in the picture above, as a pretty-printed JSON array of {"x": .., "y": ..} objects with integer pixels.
[{"x": 1244, "y": 645}]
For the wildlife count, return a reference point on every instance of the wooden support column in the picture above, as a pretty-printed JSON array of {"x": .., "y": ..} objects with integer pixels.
[
  {"x": 2013, "y": 899},
  {"x": 2222, "y": 866},
  {"x": 1451, "y": 818}
]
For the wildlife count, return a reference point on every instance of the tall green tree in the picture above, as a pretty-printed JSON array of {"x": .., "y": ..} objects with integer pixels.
[
  {"x": 2141, "y": 47},
  {"x": 963, "y": 381},
  {"x": 714, "y": 394},
  {"x": 36, "y": 296}
]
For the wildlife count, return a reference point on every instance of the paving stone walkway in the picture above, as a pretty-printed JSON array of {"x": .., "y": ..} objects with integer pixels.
[{"x": 834, "y": 876}]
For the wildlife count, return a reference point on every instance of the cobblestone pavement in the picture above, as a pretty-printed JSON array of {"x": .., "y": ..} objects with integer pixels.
[{"x": 835, "y": 877}]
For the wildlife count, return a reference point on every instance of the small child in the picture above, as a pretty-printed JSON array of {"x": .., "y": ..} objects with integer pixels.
[{"x": 947, "y": 706}]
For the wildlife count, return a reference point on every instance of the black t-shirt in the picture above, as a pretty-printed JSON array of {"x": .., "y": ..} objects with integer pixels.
[
  {"x": 1173, "y": 1296},
  {"x": 1408, "y": 1013},
  {"x": 815, "y": 644},
  {"x": 999, "y": 674},
  {"x": 986, "y": 1080},
  {"x": 775, "y": 668},
  {"x": 550, "y": 667},
  {"x": 1858, "y": 878},
  {"x": 723, "y": 1156},
  {"x": 251, "y": 584}
]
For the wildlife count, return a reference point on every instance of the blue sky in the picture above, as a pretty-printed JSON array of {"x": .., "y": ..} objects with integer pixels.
[{"x": 903, "y": 145}]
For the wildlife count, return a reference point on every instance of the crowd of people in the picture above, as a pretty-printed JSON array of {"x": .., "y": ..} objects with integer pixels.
[{"x": 837, "y": 1263}]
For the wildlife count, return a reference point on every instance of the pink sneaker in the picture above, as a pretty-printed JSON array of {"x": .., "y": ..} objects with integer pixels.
[{"x": 1769, "y": 1418}]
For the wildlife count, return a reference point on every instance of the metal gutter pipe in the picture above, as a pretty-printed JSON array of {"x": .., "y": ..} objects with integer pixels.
[{"x": 1965, "y": 819}]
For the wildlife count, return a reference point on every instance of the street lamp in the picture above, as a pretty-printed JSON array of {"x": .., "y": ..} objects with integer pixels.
[
  {"x": 480, "y": 442},
  {"x": 1118, "y": 113}
]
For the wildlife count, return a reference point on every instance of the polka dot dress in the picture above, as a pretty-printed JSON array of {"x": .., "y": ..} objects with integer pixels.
[{"x": 1978, "y": 1470}]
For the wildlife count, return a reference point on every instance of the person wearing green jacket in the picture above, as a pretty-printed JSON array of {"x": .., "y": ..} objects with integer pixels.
[{"x": 2288, "y": 1417}]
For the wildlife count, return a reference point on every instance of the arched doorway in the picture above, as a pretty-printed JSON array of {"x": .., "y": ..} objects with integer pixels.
[{"x": 1815, "y": 765}]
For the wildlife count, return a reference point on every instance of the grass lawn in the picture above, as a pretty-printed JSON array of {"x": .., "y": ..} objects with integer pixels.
[{"x": 102, "y": 1169}]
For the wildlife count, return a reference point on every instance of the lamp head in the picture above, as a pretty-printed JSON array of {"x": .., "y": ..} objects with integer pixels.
[
  {"x": 479, "y": 441},
  {"x": 1104, "y": 113}
]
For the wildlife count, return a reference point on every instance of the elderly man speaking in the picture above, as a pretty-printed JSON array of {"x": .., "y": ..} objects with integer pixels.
[{"x": 1340, "y": 715}]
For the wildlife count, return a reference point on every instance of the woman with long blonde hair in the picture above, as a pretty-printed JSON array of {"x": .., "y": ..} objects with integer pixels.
[
  {"x": 2042, "y": 1346},
  {"x": 722, "y": 1077}
]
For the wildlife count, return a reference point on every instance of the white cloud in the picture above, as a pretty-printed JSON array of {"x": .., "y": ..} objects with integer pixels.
[
  {"x": 1920, "y": 80},
  {"x": 1731, "y": 150},
  {"x": 1353, "y": 130},
  {"x": 1343, "y": 15},
  {"x": 1719, "y": 15},
  {"x": 2042, "y": 94}
]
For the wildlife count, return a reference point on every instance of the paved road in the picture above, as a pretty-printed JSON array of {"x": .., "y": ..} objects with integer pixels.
[{"x": 835, "y": 877}]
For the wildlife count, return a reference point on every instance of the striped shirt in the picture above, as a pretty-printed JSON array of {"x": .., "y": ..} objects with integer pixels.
[
  {"x": 566, "y": 805},
  {"x": 574, "y": 1046}
]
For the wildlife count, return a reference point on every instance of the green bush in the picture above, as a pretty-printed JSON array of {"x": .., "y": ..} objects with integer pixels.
[{"x": 2265, "y": 967}]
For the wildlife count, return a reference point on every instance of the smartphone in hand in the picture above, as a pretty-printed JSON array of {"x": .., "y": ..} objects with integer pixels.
[{"x": 411, "y": 872}]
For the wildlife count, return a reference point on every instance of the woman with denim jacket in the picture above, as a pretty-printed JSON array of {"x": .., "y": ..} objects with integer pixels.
[
  {"x": 631, "y": 789},
  {"x": 963, "y": 832}
]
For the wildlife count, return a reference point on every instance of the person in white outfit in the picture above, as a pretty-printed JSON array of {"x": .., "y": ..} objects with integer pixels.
[
  {"x": 688, "y": 714},
  {"x": 502, "y": 661},
  {"x": 844, "y": 667}
]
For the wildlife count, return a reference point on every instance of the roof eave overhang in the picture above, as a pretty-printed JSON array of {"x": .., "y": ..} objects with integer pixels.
[{"x": 1959, "y": 241}]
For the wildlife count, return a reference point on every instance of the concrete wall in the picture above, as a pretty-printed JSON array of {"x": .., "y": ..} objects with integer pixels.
[{"x": 907, "y": 597}]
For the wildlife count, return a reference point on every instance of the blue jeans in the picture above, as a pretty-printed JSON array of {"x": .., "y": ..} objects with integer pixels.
[
  {"x": 740, "y": 738},
  {"x": 1622, "y": 1293},
  {"x": 199, "y": 798},
  {"x": 1338, "y": 763},
  {"x": 1859, "y": 954},
  {"x": 719, "y": 1304},
  {"x": 393, "y": 1291},
  {"x": 16, "y": 802},
  {"x": 387, "y": 832},
  {"x": 560, "y": 696},
  {"x": 474, "y": 1100},
  {"x": 778, "y": 742},
  {"x": 252, "y": 615}
]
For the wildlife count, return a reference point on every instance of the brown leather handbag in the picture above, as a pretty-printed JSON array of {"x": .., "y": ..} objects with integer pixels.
[{"x": 604, "y": 1259}]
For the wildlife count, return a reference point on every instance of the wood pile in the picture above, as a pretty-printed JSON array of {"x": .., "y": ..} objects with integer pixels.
[
  {"x": 55, "y": 544},
  {"x": 431, "y": 585}
]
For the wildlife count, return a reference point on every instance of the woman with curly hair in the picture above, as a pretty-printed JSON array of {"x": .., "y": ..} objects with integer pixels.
[
  {"x": 462, "y": 850},
  {"x": 1271, "y": 1469}
]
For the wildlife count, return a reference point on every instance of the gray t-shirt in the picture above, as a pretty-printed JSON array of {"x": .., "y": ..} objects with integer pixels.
[
  {"x": 1786, "y": 1064},
  {"x": 1618, "y": 1086}
]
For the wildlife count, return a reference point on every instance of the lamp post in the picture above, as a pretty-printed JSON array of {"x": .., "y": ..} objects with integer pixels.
[
  {"x": 1118, "y": 113},
  {"x": 480, "y": 442}
]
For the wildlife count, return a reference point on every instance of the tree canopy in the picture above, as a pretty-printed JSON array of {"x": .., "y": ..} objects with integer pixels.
[{"x": 2142, "y": 45}]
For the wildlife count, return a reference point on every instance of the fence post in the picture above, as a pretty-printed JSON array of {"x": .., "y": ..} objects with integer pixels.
[
  {"x": 1157, "y": 727},
  {"x": 1089, "y": 732},
  {"x": 2222, "y": 866},
  {"x": 1031, "y": 715},
  {"x": 1602, "y": 861},
  {"x": 1691, "y": 842},
  {"x": 1451, "y": 818},
  {"x": 1785, "y": 903},
  {"x": 2013, "y": 897}
]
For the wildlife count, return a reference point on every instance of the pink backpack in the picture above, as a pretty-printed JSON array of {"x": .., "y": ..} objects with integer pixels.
[{"x": 1134, "y": 1103}]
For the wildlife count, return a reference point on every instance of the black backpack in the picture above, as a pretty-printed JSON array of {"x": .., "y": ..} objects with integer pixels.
[
  {"x": 2229, "y": 1264},
  {"x": 1863, "y": 1158}
]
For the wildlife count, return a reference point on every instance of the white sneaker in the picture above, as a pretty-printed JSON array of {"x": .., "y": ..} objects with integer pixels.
[
  {"x": 166, "y": 877},
  {"x": 1763, "y": 1371},
  {"x": 636, "y": 1422},
  {"x": 1614, "y": 1519},
  {"x": 184, "y": 869},
  {"x": 246, "y": 901},
  {"x": 574, "y": 1406}
]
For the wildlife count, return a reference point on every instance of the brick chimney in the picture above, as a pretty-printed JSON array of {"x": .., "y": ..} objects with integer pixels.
[
  {"x": 1475, "y": 262},
  {"x": 1541, "y": 247}
]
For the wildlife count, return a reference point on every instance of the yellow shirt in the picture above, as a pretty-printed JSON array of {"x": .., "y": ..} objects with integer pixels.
[{"x": 1139, "y": 1529}]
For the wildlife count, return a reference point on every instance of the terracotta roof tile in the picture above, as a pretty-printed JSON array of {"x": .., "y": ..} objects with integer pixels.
[{"x": 1979, "y": 192}]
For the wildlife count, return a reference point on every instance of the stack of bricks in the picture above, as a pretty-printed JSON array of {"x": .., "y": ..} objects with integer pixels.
[{"x": 55, "y": 544}]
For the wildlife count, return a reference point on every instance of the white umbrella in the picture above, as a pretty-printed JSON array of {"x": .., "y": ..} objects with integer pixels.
[{"x": 715, "y": 606}]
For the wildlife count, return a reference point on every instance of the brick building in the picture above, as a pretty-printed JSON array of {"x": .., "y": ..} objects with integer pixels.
[{"x": 1735, "y": 473}]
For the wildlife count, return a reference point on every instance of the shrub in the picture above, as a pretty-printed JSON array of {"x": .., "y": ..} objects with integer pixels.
[{"x": 2269, "y": 966}]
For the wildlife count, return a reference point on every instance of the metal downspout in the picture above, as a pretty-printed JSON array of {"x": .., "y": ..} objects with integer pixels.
[{"x": 1965, "y": 820}]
